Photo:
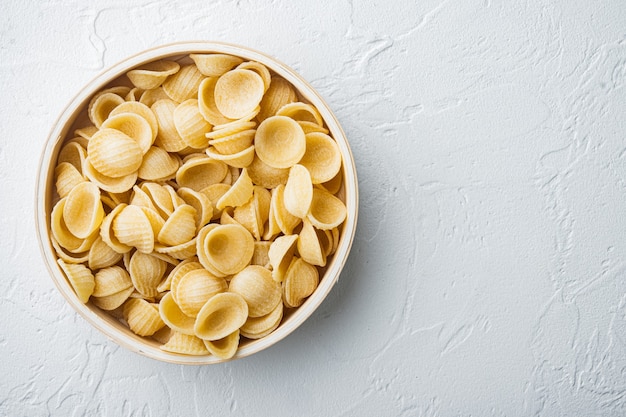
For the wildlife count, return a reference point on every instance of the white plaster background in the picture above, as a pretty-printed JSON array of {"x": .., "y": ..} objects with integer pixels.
[{"x": 488, "y": 273}]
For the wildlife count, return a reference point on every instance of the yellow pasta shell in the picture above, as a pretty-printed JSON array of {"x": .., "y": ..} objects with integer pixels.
[
  {"x": 153, "y": 74},
  {"x": 80, "y": 278},
  {"x": 231, "y": 128},
  {"x": 67, "y": 256},
  {"x": 111, "y": 280},
  {"x": 67, "y": 177},
  {"x": 309, "y": 246},
  {"x": 200, "y": 202},
  {"x": 184, "y": 84},
  {"x": 214, "y": 193},
  {"x": 238, "y": 92},
  {"x": 101, "y": 105},
  {"x": 265, "y": 175},
  {"x": 334, "y": 185},
  {"x": 180, "y": 227},
  {"x": 260, "y": 69},
  {"x": 224, "y": 348},
  {"x": 158, "y": 165},
  {"x": 140, "y": 109},
  {"x": 199, "y": 173},
  {"x": 279, "y": 93},
  {"x": 206, "y": 103},
  {"x": 310, "y": 127},
  {"x": 107, "y": 234},
  {"x": 281, "y": 254},
  {"x": 83, "y": 211},
  {"x": 113, "y": 301},
  {"x": 214, "y": 65},
  {"x": 85, "y": 133},
  {"x": 258, "y": 327},
  {"x": 132, "y": 125},
  {"x": 301, "y": 112},
  {"x": 298, "y": 191},
  {"x": 255, "y": 284},
  {"x": 174, "y": 317},
  {"x": 239, "y": 193},
  {"x": 183, "y": 251},
  {"x": 300, "y": 282},
  {"x": 167, "y": 137},
  {"x": 228, "y": 248},
  {"x": 113, "y": 153},
  {"x": 260, "y": 256},
  {"x": 149, "y": 97},
  {"x": 106, "y": 183},
  {"x": 101, "y": 255},
  {"x": 63, "y": 236},
  {"x": 322, "y": 157},
  {"x": 223, "y": 314},
  {"x": 73, "y": 153},
  {"x": 195, "y": 288},
  {"x": 142, "y": 317},
  {"x": 233, "y": 143},
  {"x": 146, "y": 272},
  {"x": 280, "y": 142},
  {"x": 133, "y": 95},
  {"x": 285, "y": 220},
  {"x": 327, "y": 211},
  {"x": 237, "y": 123},
  {"x": 190, "y": 124},
  {"x": 246, "y": 215},
  {"x": 132, "y": 227},
  {"x": 177, "y": 273},
  {"x": 185, "y": 345}
]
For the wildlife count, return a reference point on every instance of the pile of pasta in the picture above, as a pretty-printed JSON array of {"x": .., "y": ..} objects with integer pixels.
[{"x": 199, "y": 203}]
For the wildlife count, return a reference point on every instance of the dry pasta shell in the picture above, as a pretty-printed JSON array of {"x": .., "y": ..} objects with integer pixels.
[
  {"x": 146, "y": 272},
  {"x": 132, "y": 125},
  {"x": 153, "y": 74},
  {"x": 258, "y": 327},
  {"x": 185, "y": 345},
  {"x": 327, "y": 211},
  {"x": 106, "y": 183},
  {"x": 174, "y": 317},
  {"x": 142, "y": 317},
  {"x": 300, "y": 282},
  {"x": 238, "y": 160},
  {"x": 111, "y": 280},
  {"x": 73, "y": 153},
  {"x": 200, "y": 202},
  {"x": 199, "y": 173},
  {"x": 160, "y": 197},
  {"x": 214, "y": 65},
  {"x": 206, "y": 103},
  {"x": 281, "y": 254},
  {"x": 80, "y": 278},
  {"x": 61, "y": 233},
  {"x": 149, "y": 97},
  {"x": 195, "y": 288},
  {"x": 237, "y": 123},
  {"x": 141, "y": 199},
  {"x": 238, "y": 92},
  {"x": 231, "y": 128},
  {"x": 301, "y": 112},
  {"x": 202, "y": 252},
  {"x": 113, "y": 301},
  {"x": 180, "y": 227},
  {"x": 183, "y": 251},
  {"x": 246, "y": 216},
  {"x": 260, "y": 256},
  {"x": 224, "y": 348},
  {"x": 334, "y": 185},
  {"x": 214, "y": 193},
  {"x": 220, "y": 316},
  {"x": 190, "y": 124},
  {"x": 298, "y": 191},
  {"x": 309, "y": 246},
  {"x": 322, "y": 157},
  {"x": 101, "y": 255},
  {"x": 85, "y": 133},
  {"x": 270, "y": 227},
  {"x": 107, "y": 234},
  {"x": 285, "y": 220},
  {"x": 139, "y": 109},
  {"x": 262, "y": 200},
  {"x": 132, "y": 227},
  {"x": 167, "y": 137},
  {"x": 311, "y": 127},
  {"x": 178, "y": 271},
  {"x": 158, "y": 165},
  {"x": 113, "y": 153},
  {"x": 280, "y": 142},
  {"x": 184, "y": 84},
  {"x": 279, "y": 93},
  {"x": 67, "y": 256},
  {"x": 134, "y": 95},
  {"x": 265, "y": 175},
  {"x": 228, "y": 248},
  {"x": 156, "y": 221},
  {"x": 255, "y": 284},
  {"x": 233, "y": 143},
  {"x": 67, "y": 177},
  {"x": 83, "y": 211},
  {"x": 239, "y": 193},
  {"x": 259, "y": 69},
  {"x": 101, "y": 105}
]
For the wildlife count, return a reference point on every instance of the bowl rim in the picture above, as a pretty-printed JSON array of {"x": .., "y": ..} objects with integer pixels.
[{"x": 58, "y": 133}]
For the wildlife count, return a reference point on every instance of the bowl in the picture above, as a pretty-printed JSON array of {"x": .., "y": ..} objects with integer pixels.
[{"x": 112, "y": 327}]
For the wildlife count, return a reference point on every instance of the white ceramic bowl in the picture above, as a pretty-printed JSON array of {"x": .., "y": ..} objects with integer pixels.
[{"x": 103, "y": 321}]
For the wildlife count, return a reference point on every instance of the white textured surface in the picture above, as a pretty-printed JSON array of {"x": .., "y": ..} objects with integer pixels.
[{"x": 488, "y": 274}]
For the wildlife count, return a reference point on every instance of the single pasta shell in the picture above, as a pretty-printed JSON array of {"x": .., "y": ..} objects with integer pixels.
[
  {"x": 160, "y": 198},
  {"x": 334, "y": 185},
  {"x": 224, "y": 348},
  {"x": 174, "y": 317},
  {"x": 223, "y": 314},
  {"x": 73, "y": 153},
  {"x": 184, "y": 84},
  {"x": 300, "y": 282},
  {"x": 236, "y": 123},
  {"x": 238, "y": 92},
  {"x": 239, "y": 193},
  {"x": 83, "y": 211},
  {"x": 133, "y": 95},
  {"x": 178, "y": 271},
  {"x": 199, "y": 173},
  {"x": 255, "y": 284},
  {"x": 132, "y": 227},
  {"x": 258, "y": 327},
  {"x": 270, "y": 227},
  {"x": 63, "y": 236},
  {"x": 265, "y": 175},
  {"x": 167, "y": 137},
  {"x": 214, "y": 193},
  {"x": 327, "y": 211},
  {"x": 85, "y": 133},
  {"x": 106, "y": 183},
  {"x": 280, "y": 142},
  {"x": 180, "y": 227},
  {"x": 142, "y": 317},
  {"x": 202, "y": 251},
  {"x": 246, "y": 216},
  {"x": 140, "y": 109},
  {"x": 310, "y": 127},
  {"x": 158, "y": 165},
  {"x": 183, "y": 251},
  {"x": 281, "y": 254},
  {"x": 260, "y": 69},
  {"x": 301, "y": 111},
  {"x": 101, "y": 255},
  {"x": 326, "y": 240},
  {"x": 113, "y": 301},
  {"x": 149, "y": 97},
  {"x": 322, "y": 157},
  {"x": 262, "y": 201},
  {"x": 285, "y": 220},
  {"x": 200, "y": 202},
  {"x": 146, "y": 272},
  {"x": 67, "y": 256},
  {"x": 185, "y": 345},
  {"x": 67, "y": 177},
  {"x": 233, "y": 143},
  {"x": 206, "y": 103},
  {"x": 238, "y": 160},
  {"x": 117, "y": 198},
  {"x": 165, "y": 258},
  {"x": 80, "y": 278},
  {"x": 260, "y": 256},
  {"x": 214, "y": 65},
  {"x": 107, "y": 234},
  {"x": 111, "y": 280},
  {"x": 228, "y": 248},
  {"x": 113, "y": 153},
  {"x": 153, "y": 74},
  {"x": 309, "y": 246},
  {"x": 132, "y": 125},
  {"x": 298, "y": 191},
  {"x": 195, "y": 288},
  {"x": 190, "y": 124},
  {"x": 279, "y": 93},
  {"x": 231, "y": 128},
  {"x": 101, "y": 105}
]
